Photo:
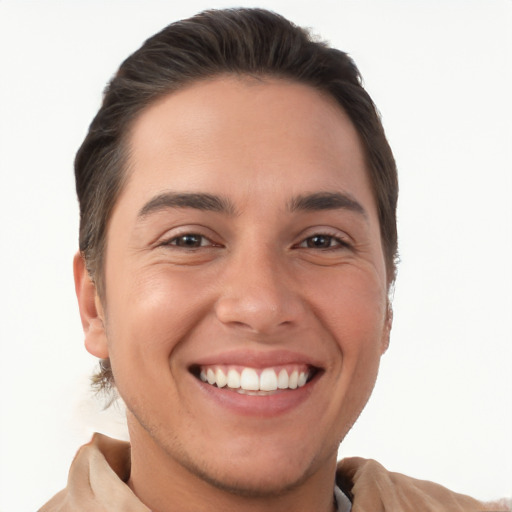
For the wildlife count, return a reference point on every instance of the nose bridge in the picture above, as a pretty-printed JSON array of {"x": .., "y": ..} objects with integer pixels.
[{"x": 257, "y": 290}]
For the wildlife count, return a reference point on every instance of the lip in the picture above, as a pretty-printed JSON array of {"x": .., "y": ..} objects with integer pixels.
[
  {"x": 267, "y": 406},
  {"x": 257, "y": 359}
]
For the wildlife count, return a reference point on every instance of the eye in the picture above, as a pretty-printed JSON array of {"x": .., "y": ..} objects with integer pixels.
[
  {"x": 189, "y": 241},
  {"x": 320, "y": 241}
]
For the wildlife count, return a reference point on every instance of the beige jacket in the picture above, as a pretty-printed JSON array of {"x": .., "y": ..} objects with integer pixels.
[{"x": 97, "y": 476}]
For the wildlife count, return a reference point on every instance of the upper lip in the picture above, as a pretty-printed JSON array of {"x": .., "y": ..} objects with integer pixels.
[{"x": 257, "y": 359}]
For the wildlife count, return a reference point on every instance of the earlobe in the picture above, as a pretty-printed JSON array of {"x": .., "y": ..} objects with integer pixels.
[{"x": 91, "y": 310}]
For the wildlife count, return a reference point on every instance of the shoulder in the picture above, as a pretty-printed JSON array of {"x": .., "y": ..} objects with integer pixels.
[
  {"x": 97, "y": 479},
  {"x": 373, "y": 488}
]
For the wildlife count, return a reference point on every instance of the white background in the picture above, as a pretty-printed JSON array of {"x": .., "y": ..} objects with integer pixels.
[{"x": 440, "y": 72}]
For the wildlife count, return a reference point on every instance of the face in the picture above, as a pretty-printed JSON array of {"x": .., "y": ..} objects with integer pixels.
[{"x": 245, "y": 310}]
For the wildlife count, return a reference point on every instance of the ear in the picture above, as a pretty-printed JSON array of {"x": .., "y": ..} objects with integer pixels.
[
  {"x": 91, "y": 310},
  {"x": 388, "y": 323}
]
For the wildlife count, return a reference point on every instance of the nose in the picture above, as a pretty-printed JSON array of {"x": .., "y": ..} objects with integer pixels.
[{"x": 258, "y": 293}]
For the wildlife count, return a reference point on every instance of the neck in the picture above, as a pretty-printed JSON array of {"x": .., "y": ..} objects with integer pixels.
[{"x": 164, "y": 484}]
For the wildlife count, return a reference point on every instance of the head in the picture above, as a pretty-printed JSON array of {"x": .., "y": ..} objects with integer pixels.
[
  {"x": 232, "y": 57},
  {"x": 248, "y": 42}
]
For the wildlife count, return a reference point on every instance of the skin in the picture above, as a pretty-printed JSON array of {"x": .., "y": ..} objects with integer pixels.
[{"x": 259, "y": 286}]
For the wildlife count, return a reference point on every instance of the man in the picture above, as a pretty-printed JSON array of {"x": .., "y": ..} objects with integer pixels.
[{"x": 237, "y": 247}]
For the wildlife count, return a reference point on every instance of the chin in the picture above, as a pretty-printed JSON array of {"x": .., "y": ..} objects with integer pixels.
[
  {"x": 259, "y": 471},
  {"x": 251, "y": 483}
]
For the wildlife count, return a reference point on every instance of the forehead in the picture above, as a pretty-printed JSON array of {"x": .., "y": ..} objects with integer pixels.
[{"x": 246, "y": 131}]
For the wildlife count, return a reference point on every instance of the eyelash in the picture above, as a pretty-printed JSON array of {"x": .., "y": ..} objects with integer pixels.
[
  {"x": 339, "y": 243},
  {"x": 174, "y": 241}
]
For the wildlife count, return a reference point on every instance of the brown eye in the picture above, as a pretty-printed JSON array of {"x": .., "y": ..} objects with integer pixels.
[
  {"x": 321, "y": 242},
  {"x": 189, "y": 241}
]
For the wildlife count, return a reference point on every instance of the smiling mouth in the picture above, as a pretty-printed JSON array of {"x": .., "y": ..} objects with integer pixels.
[{"x": 256, "y": 381}]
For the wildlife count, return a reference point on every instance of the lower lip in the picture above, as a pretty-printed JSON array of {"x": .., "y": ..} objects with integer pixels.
[{"x": 255, "y": 405}]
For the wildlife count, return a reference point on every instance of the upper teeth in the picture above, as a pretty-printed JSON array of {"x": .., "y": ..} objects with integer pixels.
[{"x": 249, "y": 379}]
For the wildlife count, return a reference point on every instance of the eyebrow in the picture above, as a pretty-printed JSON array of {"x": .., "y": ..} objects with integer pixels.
[
  {"x": 198, "y": 201},
  {"x": 209, "y": 202},
  {"x": 326, "y": 201}
]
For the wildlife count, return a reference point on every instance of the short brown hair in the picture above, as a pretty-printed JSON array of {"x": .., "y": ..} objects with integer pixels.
[{"x": 252, "y": 42}]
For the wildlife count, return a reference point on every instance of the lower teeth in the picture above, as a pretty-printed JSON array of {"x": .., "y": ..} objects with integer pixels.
[{"x": 254, "y": 393}]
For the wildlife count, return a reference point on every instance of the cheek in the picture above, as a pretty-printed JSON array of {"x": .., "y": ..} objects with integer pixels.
[
  {"x": 356, "y": 317},
  {"x": 354, "y": 309},
  {"x": 353, "y": 313},
  {"x": 151, "y": 315}
]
